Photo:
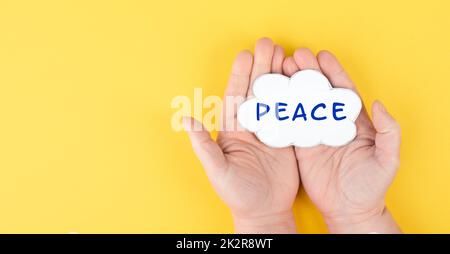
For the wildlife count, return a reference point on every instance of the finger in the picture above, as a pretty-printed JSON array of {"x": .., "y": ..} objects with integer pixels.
[
  {"x": 236, "y": 92},
  {"x": 206, "y": 149},
  {"x": 305, "y": 59},
  {"x": 240, "y": 75},
  {"x": 289, "y": 66},
  {"x": 388, "y": 137},
  {"x": 278, "y": 58},
  {"x": 263, "y": 60},
  {"x": 334, "y": 71}
]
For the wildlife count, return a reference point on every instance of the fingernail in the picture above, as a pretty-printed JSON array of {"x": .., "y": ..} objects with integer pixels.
[{"x": 381, "y": 106}]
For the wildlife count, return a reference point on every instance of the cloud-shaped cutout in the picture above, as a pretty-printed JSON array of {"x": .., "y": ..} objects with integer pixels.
[{"x": 304, "y": 110}]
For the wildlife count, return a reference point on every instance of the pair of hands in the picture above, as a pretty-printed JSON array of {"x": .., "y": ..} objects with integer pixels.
[{"x": 259, "y": 183}]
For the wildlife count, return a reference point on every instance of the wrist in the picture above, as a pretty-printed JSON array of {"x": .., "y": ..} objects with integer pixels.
[
  {"x": 378, "y": 220},
  {"x": 278, "y": 223}
]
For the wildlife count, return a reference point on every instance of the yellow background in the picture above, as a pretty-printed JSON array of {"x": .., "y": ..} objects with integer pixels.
[{"x": 86, "y": 86}]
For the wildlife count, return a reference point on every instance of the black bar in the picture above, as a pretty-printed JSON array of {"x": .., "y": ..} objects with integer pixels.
[{"x": 207, "y": 243}]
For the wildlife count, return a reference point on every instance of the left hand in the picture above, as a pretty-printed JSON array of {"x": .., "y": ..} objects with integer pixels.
[{"x": 258, "y": 183}]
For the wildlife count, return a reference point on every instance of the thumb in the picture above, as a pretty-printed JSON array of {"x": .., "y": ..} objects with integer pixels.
[
  {"x": 387, "y": 140},
  {"x": 206, "y": 149}
]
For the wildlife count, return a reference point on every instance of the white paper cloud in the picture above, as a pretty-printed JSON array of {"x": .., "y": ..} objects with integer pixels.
[{"x": 303, "y": 110}]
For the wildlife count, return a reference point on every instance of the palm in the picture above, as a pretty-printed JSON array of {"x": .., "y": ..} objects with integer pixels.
[
  {"x": 348, "y": 176},
  {"x": 259, "y": 179}
]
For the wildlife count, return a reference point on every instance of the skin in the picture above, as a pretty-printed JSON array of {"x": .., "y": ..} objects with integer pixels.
[
  {"x": 259, "y": 184},
  {"x": 348, "y": 183}
]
